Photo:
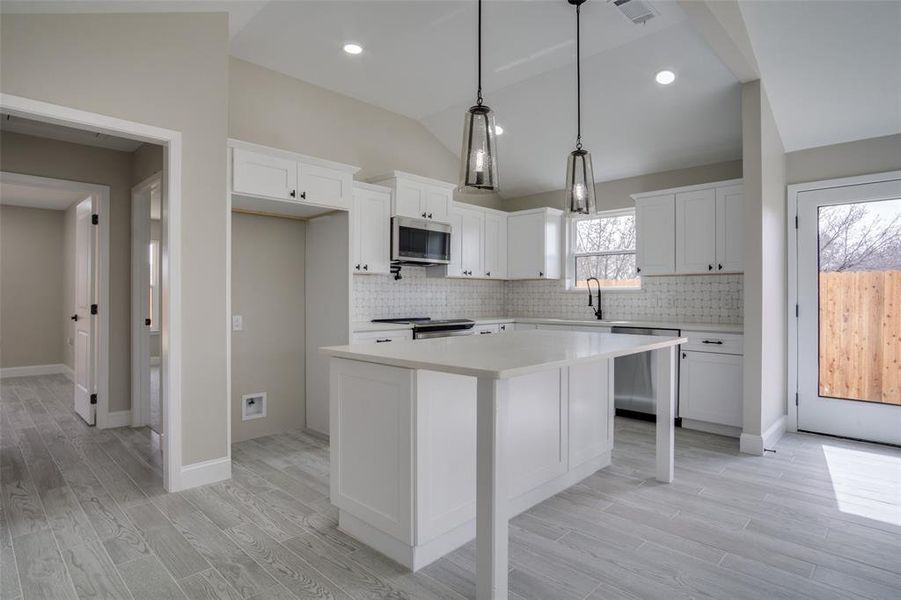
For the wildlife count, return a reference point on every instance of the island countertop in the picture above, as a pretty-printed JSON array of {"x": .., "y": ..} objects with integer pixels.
[{"x": 502, "y": 356}]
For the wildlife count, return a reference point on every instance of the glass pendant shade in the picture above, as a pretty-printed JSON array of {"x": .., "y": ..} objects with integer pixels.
[
  {"x": 478, "y": 164},
  {"x": 579, "y": 187}
]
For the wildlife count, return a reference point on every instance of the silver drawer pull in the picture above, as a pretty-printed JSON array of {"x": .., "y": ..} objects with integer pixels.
[
  {"x": 719, "y": 342},
  {"x": 383, "y": 341}
]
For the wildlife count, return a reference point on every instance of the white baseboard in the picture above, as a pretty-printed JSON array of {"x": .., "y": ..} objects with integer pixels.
[
  {"x": 755, "y": 444},
  {"x": 204, "y": 472},
  {"x": 118, "y": 418},
  {"x": 31, "y": 370},
  {"x": 68, "y": 372},
  {"x": 716, "y": 428}
]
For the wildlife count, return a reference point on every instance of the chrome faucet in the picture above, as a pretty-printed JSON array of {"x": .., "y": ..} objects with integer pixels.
[{"x": 598, "y": 312}]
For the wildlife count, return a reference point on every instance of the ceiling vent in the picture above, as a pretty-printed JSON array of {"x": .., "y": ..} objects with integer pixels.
[{"x": 637, "y": 11}]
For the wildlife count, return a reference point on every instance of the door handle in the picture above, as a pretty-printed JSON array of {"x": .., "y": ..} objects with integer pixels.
[
  {"x": 430, "y": 215},
  {"x": 718, "y": 342},
  {"x": 488, "y": 274},
  {"x": 709, "y": 267},
  {"x": 74, "y": 317},
  {"x": 423, "y": 215},
  {"x": 683, "y": 355},
  {"x": 357, "y": 267},
  {"x": 719, "y": 267},
  {"x": 293, "y": 193},
  {"x": 638, "y": 270},
  {"x": 303, "y": 195},
  {"x": 147, "y": 322},
  {"x": 541, "y": 273},
  {"x": 484, "y": 332},
  {"x": 365, "y": 267},
  {"x": 382, "y": 341}
]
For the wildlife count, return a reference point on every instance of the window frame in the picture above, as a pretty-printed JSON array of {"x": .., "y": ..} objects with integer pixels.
[{"x": 571, "y": 254}]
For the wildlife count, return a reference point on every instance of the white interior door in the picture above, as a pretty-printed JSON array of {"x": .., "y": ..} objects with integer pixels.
[
  {"x": 141, "y": 301},
  {"x": 85, "y": 277},
  {"x": 849, "y": 290}
]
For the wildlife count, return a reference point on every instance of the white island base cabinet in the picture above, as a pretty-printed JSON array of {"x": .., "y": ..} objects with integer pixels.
[{"x": 409, "y": 490}]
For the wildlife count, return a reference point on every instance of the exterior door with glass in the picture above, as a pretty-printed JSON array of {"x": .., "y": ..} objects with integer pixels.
[{"x": 849, "y": 311}]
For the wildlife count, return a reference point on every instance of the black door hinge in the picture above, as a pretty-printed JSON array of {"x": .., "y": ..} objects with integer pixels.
[
  {"x": 797, "y": 310},
  {"x": 93, "y": 309},
  {"x": 796, "y": 221},
  {"x": 93, "y": 398},
  {"x": 796, "y": 398},
  {"x": 95, "y": 219}
]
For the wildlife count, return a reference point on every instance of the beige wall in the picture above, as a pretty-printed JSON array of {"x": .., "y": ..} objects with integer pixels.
[
  {"x": 171, "y": 71},
  {"x": 875, "y": 155},
  {"x": 266, "y": 107},
  {"x": 268, "y": 292},
  {"x": 765, "y": 287},
  {"x": 616, "y": 194},
  {"x": 31, "y": 286},
  {"x": 147, "y": 160},
  {"x": 75, "y": 162}
]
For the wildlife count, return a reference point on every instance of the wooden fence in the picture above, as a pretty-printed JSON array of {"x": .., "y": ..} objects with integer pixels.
[{"x": 860, "y": 335}]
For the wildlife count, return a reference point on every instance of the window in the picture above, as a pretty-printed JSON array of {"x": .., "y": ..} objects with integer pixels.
[{"x": 603, "y": 246}]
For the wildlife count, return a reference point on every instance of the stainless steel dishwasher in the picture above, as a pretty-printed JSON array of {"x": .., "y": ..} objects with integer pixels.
[{"x": 634, "y": 382}]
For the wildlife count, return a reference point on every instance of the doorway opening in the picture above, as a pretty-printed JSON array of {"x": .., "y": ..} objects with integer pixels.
[{"x": 163, "y": 453}]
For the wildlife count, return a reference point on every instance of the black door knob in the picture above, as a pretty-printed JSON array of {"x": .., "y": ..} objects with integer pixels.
[
  {"x": 147, "y": 322},
  {"x": 74, "y": 317}
]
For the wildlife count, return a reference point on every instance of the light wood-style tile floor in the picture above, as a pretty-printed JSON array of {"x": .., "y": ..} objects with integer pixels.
[{"x": 84, "y": 515}]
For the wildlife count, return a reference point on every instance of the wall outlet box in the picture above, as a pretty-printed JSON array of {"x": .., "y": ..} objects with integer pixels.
[
  {"x": 253, "y": 406},
  {"x": 237, "y": 323}
]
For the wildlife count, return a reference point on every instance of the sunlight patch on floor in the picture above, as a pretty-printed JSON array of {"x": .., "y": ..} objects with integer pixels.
[{"x": 880, "y": 501}]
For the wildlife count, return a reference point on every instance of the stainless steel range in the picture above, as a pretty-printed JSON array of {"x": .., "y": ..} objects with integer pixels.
[{"x": 425, "y": 327}]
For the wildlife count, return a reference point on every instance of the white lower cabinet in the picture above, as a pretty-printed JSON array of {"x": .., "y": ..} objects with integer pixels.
[
  {"x": 410, "y": 489},
  {"x": 486, "y": 329},
  {"x": 381, "y": 337},
  {"x": 710, "y": 385}
]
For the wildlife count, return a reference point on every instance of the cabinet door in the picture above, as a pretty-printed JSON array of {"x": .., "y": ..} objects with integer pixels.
[
  {"x": 409, "y": 200},
  {"x": 710, "y": 388},
  {"x": 471, "y": 240},
  {"x": 495, "y": 247},
  {"x": 729, "y": 236},
  {"x": 455, "y": 266},
  {"x": 436, "y": 203},
  {"x": 525, "y": 246},
  {"x": 325, "y": 186},
  {"x": 655, "y": 235},
  {"x": 696, "y": 231},
  {"x": 258, "y": 174},
  {"x": 373, "y": 218}
]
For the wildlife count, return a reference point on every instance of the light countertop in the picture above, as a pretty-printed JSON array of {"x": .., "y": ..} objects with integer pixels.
[
  {"x": 361, "y": 326},
  {"x": 502, "y": 356}
]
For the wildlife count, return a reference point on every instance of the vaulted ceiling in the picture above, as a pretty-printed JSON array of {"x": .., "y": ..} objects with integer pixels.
[{"x": 832, "y": 70}]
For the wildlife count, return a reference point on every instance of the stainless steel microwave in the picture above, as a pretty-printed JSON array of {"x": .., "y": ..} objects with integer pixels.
[{"x": 420, "y": 241}]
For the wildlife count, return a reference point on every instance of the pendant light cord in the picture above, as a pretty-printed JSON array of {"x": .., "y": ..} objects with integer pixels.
[
  {"x": 578, "y": 81},
  {"x": 479, "y": 96}
]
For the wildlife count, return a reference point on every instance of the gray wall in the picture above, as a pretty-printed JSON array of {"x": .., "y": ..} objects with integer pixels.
[
  {"x": 874, "y": 155},
  {"x": 616, "y": 194},
  {"x": 171, "y": 71},
  {"x": 765, "y": 286},
  {"x": 268, "y": 292},
  {"x": 62, "y": 160},
  {"x": 31, "y": 286}
]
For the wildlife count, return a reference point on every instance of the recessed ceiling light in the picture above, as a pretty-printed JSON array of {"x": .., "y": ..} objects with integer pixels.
[
  {"x": 665, "y": 77},
  {"x": 352, "y": 48},
  {"x": 498, "y": 130}
]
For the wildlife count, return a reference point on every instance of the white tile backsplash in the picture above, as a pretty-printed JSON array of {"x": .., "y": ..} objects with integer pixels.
[{"x": 693, "y": 298}]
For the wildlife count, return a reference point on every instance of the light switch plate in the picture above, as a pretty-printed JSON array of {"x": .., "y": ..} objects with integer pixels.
[{"x": 237, "y": 323}]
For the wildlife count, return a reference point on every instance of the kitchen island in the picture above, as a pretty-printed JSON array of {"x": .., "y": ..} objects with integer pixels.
[{"x": 426, "y": 435}]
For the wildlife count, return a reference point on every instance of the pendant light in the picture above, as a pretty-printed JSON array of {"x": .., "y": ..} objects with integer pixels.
[
  {"x": 579, "y": 189},
  {"x": 478, "y": 160}
]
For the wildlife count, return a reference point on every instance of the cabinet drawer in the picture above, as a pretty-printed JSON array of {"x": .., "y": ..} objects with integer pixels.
[
  {"x": 380, "y": 337},
  {"x": 703, "y": 341},
  {"x": 486, "y": 329}
]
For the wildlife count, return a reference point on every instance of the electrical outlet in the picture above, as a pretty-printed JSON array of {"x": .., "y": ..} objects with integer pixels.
[{"x": 237, "y": 323}]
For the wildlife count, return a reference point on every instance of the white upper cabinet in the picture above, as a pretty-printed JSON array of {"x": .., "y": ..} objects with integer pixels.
[
  {"x": 655, "y": 231},
  {"x": 494, "y": 246},
  {"x": 696, "y": 231},
  {"x": 372, "y": 229},
  {"x": 534, "y": 240},
  {"x": 279, "y": 182},
  {"x": 470, "y": 234},
  {"x": 729, "y": 235},
  {"x": 259, "y": 174},
  {"x": 418, "y": 197}
]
